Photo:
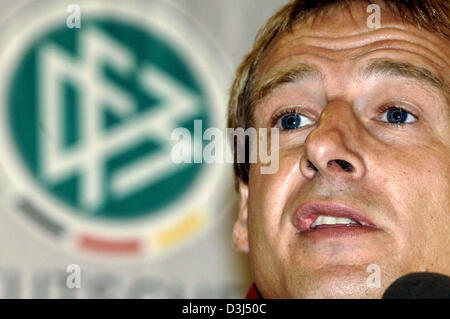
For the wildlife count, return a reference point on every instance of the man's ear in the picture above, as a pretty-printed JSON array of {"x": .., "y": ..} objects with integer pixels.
[{"x": 240, "y": 230}]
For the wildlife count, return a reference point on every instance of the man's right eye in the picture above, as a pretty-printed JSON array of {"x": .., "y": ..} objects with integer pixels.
[{"x": 292, "y": 120}]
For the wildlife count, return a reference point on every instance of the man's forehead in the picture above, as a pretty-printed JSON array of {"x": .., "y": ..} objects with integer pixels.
[
  {"x": 341, "y": 21},
  {"x": 339, "y": 29}
]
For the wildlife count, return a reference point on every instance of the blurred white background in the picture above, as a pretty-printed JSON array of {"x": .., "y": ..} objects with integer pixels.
[{"x": 203, "y": 263}]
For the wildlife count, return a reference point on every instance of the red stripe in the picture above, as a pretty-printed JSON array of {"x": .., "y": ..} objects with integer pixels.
[{"x": 129, "y": 246}]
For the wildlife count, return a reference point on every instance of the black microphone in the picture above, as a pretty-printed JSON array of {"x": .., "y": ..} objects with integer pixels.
[{"x": 419, "y": 285}]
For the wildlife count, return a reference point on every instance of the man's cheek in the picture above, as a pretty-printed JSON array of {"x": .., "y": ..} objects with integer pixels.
[
  {"x": 279, "y": 181},
  {"x": 418, "y": 196}
]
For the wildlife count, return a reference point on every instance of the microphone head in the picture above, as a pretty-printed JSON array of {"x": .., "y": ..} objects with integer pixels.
[{"x": 419, "y": 285}]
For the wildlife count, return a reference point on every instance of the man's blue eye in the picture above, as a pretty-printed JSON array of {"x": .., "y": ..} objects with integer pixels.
[
  {"x": 293, "y": 121},
  {"x": 397, "y": 116}
]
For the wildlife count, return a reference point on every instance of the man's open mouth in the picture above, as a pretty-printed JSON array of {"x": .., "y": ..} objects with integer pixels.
[
  {"x": 317, "y": 215},
  {"x": 330, "y": 221}
]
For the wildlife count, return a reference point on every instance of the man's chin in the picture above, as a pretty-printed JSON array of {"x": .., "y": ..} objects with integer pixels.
[{"x": 337, "y": 282}]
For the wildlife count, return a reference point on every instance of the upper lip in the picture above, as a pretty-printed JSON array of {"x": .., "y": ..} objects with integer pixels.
[{"x": 306, "y": 214}]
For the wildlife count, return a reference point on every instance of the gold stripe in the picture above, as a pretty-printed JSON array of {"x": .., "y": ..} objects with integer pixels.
[{"x": 182, "y": 229}]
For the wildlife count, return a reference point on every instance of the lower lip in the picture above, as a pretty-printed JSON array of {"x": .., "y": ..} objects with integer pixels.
[{"x": 336, "y": 232}]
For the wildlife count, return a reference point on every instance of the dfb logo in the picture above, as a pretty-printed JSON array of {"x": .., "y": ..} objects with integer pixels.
[{"x": 86, "y": 120}]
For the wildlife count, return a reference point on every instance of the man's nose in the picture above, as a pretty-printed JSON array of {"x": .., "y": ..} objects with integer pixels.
[{"x": 333, "y": 148}]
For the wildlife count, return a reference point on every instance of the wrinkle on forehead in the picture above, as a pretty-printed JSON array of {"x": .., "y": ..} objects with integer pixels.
[
  {"x": 332, "y": 35},
  {"x": 343, "y": 22},
  {"x": 385, "y": 37}
]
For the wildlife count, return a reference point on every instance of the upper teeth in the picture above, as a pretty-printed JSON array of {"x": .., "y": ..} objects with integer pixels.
[{"x": 329, "y": 220}]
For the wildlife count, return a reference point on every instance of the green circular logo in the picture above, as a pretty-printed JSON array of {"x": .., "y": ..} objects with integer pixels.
[
  {"x": 91, "y": 111},
  {"x": 86, "y": 122}
]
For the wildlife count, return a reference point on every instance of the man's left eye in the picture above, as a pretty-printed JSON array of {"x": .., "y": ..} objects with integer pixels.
[{"x": 396, "y": 115}]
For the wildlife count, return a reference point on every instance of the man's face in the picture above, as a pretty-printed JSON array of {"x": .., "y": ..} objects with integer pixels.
[{"x": 364, "y": 135}]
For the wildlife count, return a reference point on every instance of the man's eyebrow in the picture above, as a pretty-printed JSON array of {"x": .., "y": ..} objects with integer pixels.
[
  {"x": 284, "y": 76},
  {"x": 408, "y": 71}
]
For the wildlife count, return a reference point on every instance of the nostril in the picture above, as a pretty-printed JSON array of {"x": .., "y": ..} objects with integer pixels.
[
  {"x": 311, "y": 165},
  {"x": 346, "y": 166}
]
